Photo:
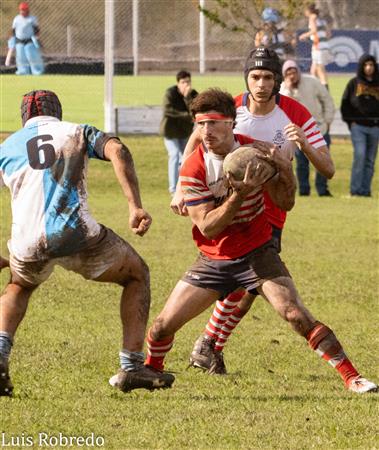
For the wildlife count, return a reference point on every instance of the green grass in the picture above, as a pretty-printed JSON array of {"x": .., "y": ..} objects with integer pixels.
[
  {"x": 82, "y": 97},
  {"x": 279, "y": 395}
]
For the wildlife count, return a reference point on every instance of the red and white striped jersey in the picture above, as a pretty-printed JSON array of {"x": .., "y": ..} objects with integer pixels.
[
  {"x": 270, "y": 128},
  {"x": 202, "y": 180}
]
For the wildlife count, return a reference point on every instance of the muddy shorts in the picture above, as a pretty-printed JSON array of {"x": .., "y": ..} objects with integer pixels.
[
  {"x": 249, "y": 272},
  {"x": 102, "y": 253}
]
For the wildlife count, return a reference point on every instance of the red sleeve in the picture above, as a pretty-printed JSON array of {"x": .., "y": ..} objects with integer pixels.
[
  {"x": 192, "y": 179},
  {"x": 296, "y": 112},
  {"x": 299, "y": 115},
  {"x": 238, "y": 100}
]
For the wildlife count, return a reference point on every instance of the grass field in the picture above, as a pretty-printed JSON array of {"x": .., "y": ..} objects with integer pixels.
[
  {"x": 278, "y": 394},
  {"x": 83, "y": 100}
]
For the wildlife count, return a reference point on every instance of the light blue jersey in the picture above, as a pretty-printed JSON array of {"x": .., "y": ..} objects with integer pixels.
[
  {"x": 45, "y": 167},
  {"x": 24, "y": 27}
]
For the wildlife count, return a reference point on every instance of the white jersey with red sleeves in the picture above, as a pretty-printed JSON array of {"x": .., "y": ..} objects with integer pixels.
[
  {"x": 202, "y": 180},
  {"x": 270, "y": 127}
]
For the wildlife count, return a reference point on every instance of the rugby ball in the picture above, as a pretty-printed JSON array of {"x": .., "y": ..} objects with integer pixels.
[{"x": 237, "y": 161}]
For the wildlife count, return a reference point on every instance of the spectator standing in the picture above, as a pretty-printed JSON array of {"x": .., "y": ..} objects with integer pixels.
[
  {"x": 309, "y": 91},
  {"x": 319, "y": 34},
  {"x": 360, "y": 110},
  {"x": 25, "y": 31},
  {"x": 176, "y": 125}
]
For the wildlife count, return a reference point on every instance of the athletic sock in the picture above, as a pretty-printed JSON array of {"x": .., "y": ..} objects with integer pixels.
[
  {"x": 157, "y": 350},
  {"x": 131, "y": 360},
  {"x": 221, "y": 312},
  {"x": 228, "y": 327},
  {"x": 323, "y": 341},
  {"x": 6, "y": 343}
]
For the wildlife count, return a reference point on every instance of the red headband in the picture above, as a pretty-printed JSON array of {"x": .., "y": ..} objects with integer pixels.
[{"x": 212, "y": 116}]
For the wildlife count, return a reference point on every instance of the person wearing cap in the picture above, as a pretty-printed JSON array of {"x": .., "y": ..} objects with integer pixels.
[
  {"x": 234, "y": 237},
  {"x": 309, "y": 91},
  {"x": 44, "y": 165},
  {"x": 25, "y": 31}
]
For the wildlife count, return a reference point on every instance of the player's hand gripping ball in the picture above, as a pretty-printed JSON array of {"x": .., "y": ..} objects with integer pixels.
[{"x": 236, "y": 162}]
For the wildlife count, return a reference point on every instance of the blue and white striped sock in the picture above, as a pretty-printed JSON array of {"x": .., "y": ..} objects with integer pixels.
[
  {"x": 131, "y": 360},
  {"x": 6, "y": 343}
]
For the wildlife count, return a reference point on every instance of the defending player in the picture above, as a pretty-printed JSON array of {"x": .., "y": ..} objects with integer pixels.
[{"x": 44, "y": 165}]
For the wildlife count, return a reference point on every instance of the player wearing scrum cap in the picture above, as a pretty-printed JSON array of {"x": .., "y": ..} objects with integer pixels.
[{"x": 44, "y": 165}]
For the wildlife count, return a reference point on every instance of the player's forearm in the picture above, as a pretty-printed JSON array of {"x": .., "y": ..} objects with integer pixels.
[
  {"x": 218, "y": 219},
  {"x": 320, "y": 159},
  {"x": 282, "y": 189},
  {"x": 123, "y": 166}
]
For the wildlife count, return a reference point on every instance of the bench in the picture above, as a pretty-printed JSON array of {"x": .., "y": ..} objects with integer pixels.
[{"x": 146, "y": 120}]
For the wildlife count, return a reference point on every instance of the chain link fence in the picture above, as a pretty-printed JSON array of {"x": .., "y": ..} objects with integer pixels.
[{"x": 72, "y": 36}]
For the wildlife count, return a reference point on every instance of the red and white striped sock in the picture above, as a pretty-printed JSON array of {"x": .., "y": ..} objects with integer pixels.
[
  {"x": 157, "y": 350},
  {"x": 228, "y": 327},
  {"x": 323, "y": 341},
  {"x": 221, "y": 312}
]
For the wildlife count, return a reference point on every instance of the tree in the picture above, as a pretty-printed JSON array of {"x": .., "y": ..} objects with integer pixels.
[{"x": 245, "y": 15}]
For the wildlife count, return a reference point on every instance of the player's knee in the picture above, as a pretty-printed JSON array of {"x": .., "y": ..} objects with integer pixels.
[
  {"x": 299, "y": 319},
  {"x": 138, "y": 270},
  {"x": 160, "y": 329},
  {"x": 294, "y": 315},
  {"x": 144, "y": 271}
]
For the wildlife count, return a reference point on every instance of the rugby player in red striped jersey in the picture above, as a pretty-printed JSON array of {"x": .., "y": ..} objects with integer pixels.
[
  {"x": 263, "y": 114},
  {"x": 235, "y": 241}
]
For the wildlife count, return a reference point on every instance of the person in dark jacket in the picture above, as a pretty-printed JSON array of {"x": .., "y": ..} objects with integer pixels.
[
  {"x": 360, "y": 110},
  {"x": 176, "y": 125}
]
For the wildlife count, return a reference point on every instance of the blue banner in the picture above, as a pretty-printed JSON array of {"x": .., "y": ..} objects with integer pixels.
[{"x": 346, "y": 47}]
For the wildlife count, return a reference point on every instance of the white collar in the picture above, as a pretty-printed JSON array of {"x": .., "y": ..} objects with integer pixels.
[{"x": 40, "y": 118}]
